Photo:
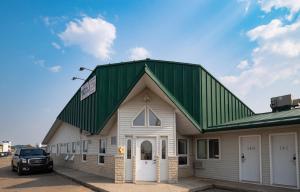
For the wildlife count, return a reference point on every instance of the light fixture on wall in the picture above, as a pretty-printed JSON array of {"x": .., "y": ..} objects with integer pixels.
[
  {"x": 84, "y": 68},
  {"x": 146, "y": 98},
  {"x": 75, "y": 78}
]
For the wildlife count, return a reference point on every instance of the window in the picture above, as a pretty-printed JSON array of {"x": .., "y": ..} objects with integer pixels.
[
  {"x": 128, "y": 148},
  {"x": 163, "y": 149},
  {"x": 57, "y": 149},
  {"x": 85, "y": 146},
  {"x": 140, "y": 119},
  {"x": 208, "y": 149},
  {"x": 73, "y": 147},
  {"x": 146, "y": 150},
  {"x": 153, "y": 119},
  {"x": 83, "y": 157},
  {"x": 146, "y": 116},
  {"x": 84, "y": 150},
  {"x": 52, "y": 148},
  {"x": 113, "y": 140},
  {"x": 213, "y": 148},
  {"x": 68, "y": 148},
  {"x": 182, "y": 152},
  {"x": 102, "y": 151}
]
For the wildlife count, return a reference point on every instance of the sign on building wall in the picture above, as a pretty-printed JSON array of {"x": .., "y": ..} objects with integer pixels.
[{"x": 88, "y": 88}]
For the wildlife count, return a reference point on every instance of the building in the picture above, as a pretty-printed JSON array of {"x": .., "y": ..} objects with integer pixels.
[
  {"x": 5, "y": 147},
  {"x": 152, "y": 120}
]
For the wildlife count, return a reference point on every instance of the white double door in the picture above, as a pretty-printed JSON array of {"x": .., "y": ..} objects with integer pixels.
[
  {"x": 250, "y": 158},
  {"x": 283, "y": 159}
]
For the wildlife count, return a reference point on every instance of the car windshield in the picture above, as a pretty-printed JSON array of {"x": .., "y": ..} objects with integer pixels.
[{"x": 32, "y": 152}]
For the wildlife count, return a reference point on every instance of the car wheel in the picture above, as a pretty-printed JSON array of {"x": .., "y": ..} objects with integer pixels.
[{"x": 20, "y": 172}]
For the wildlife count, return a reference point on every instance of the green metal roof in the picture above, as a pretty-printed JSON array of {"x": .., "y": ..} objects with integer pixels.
[
  {"x": 260, "y": 120},
  {"x": 200, "y": 96}
]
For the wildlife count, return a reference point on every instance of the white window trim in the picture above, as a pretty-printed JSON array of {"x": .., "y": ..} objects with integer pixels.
[
  {"x": 147, "y": 117},
  {"x": 187, "y": 152},
  {"x": 145, "y": 114},
  {"x": 102, "y": 154},
  {"x": 207, "y": 150}
]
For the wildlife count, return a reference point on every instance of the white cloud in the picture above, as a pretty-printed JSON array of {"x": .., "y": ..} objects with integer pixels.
[
  {"x": 292, "y": 5},
  {"x": 55, "y": 69},
  {"x": 243, "y": 65},
  {"x": 56, "y": 45},
  {"x": 275, "y": 59},
  {"x": 277, "y": 38},
  {"x": 138, "y": 53},
  {"x": 94, "y": 36}
]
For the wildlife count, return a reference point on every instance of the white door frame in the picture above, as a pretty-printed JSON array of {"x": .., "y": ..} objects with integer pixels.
[
  {"x": 154, "y": 151},
  {"x": 240, "y": 161},
  {"x": 296, "y": 151}
]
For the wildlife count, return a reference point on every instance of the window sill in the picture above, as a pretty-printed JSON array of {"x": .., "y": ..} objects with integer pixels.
[
  {"x": 208, "y": 159},
  {"x": 184, "y": 166}
]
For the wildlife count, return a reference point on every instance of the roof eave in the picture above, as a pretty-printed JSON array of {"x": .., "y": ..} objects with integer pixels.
[{"x": 254, "y": 125}]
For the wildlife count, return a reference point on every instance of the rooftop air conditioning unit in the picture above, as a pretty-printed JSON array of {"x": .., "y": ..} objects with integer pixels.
[
  {"x": 296, "y": 102},
  {"x": 281, "y": 103}
]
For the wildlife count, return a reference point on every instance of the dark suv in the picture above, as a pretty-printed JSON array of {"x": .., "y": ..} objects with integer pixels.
[{"x": 31, "y": 159}]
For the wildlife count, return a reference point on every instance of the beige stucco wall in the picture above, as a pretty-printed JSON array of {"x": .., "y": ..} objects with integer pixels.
[{"x": 227, "y": 168}]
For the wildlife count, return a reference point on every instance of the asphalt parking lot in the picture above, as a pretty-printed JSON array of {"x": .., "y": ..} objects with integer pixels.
[{"x": 46, "y": 182}]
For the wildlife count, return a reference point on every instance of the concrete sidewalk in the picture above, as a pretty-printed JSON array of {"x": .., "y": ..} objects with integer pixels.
[
  {"x": 190, "y": 184},
  {"x": 98, "y": 183}
]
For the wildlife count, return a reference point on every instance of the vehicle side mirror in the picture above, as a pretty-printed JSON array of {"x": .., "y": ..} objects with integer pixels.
[{"x": 48, "y": 153}]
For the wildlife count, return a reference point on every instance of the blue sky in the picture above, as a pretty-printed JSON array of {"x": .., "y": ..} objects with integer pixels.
[{"x": 251, "y": 46}]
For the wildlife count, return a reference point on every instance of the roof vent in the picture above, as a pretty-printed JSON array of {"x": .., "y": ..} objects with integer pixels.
[{"x": 283, "y": 103}]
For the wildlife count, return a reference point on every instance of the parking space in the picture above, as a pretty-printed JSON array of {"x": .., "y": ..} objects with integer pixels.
[{"x": 46, "y": 182}]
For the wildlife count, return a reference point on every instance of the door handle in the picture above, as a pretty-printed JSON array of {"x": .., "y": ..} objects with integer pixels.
[
  {"x": 294, "y": 157},
  {"x": 243, "y": 156}
]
